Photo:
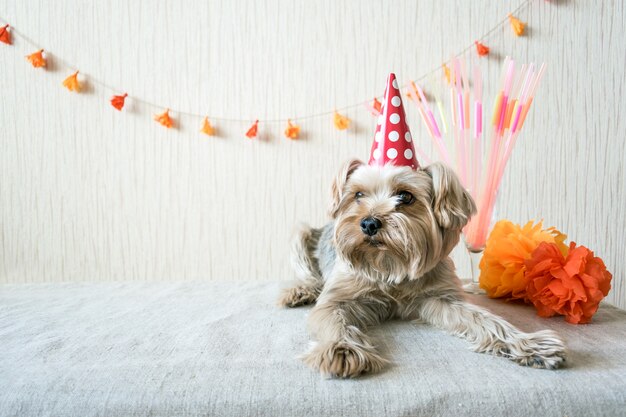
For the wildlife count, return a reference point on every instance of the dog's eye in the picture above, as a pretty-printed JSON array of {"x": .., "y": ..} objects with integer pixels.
[
  {"x": 405, "y": 197},
  {"x": 358, "y": 195}
]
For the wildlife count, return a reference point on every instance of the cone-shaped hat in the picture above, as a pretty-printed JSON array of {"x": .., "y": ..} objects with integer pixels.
[{"x": 393, "y": 142}]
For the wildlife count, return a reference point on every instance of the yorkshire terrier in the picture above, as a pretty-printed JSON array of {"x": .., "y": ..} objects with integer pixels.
[{"x": 385, "y": 254}]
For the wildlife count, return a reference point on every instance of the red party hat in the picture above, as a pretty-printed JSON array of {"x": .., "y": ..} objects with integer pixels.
[{"x": 393, "y": 143}]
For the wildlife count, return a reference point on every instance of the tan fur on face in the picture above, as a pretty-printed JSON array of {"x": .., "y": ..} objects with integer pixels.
[
  {"x": 403, "y": 271},
  {"x": 414, "y": 237}
]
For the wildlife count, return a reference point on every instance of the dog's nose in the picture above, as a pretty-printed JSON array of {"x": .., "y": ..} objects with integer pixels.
[{"x": 370, "y": 225}]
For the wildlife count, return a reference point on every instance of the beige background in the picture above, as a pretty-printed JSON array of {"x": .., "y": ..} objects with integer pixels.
[{"x": 87, "y": 193}]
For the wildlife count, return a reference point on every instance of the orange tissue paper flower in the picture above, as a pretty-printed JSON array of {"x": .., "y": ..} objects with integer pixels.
[
  {"x": 118, "y": 101},
  {"x": 292, "y": 130},
  {"x": 71, "y": 82},
  {"x": 5, "y": 35},
  {"x": 252, "y": 132},
  {"x": 517, "y": 25},
  {"x": 37, "y": 59},
  {"x": 164, "y": 119},
  {"x": 207, "y": 129},
  {"x": 508, "y": 246},
  {"x": 341, "y": 122},
  {"x": 481, "y": 49},
  {"x": 571, "y": 285}
]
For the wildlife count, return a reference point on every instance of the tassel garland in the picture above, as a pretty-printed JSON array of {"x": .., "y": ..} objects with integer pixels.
[
  {"x": 481, "y": 49},
  {"x": 292, "y": 131},
  {"x": 252, "y": 132},
  {"x": 517, "y": 25},
  {"x": 207, "y": 129},
  {"x": 164, "y": 119},
  {"x": 37, "y": 59},
  {"x": 5, "y": 35},
  {"x": 341, "y": 122},
  {"x": 118, "y": 101},
  {"x": 71, "y": 82}
]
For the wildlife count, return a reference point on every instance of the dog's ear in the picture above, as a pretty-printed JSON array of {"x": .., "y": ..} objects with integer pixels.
[
  {"x": 338, "y": 185},
  {"x": 452, "y": 204}
]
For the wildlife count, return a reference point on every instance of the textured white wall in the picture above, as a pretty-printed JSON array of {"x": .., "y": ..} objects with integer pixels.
[{"x": 87, "y": 193}]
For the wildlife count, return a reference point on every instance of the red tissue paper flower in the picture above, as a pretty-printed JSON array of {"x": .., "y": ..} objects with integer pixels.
[{"x": 571, "y": 285}]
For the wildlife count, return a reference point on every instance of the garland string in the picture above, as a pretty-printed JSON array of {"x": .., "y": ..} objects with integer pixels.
[{"x": 338, "y": 118}]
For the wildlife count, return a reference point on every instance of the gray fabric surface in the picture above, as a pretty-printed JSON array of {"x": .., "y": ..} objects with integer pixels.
[{"x": 191, "y": 349}]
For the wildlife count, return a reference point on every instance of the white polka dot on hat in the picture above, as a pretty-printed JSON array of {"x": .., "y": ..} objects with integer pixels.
[{"x": 391, "y": 126}]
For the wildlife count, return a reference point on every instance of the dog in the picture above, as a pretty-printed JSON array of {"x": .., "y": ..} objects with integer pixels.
[{"x": 385, "y": 254}]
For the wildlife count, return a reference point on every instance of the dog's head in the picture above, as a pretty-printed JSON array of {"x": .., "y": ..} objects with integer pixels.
[{"x": 394, "y": 223}]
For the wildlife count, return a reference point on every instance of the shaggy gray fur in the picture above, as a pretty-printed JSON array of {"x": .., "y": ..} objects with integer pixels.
[{"x": 403, "y": 271}]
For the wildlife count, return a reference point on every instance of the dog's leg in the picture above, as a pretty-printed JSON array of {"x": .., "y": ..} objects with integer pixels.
[
  {"x": 338, "y": 323},
  {"x": 489, "y": 333},
  {"x": 309, "y": 281}
]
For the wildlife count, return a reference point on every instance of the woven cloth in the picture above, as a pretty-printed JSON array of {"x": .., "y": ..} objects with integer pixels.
[{"x": 225, "y": 349}]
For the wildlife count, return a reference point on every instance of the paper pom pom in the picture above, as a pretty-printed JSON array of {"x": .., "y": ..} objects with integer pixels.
[
  {"x": 207, "y": 129},
  {"x": 37, "y": 59},
  {"x": 292, "y": 130},
  {"x": 341, "y": 122},
  {"x": 164, "y": 119},
  {"x": 252, "y": 132},
  {"x": 118, "y": 101},
  {"x": 502, "y": 266},
  {"x": 481, "y": 49},
  {"x": 71, "y": 82},
  {"x": 5, "y": 35},
  {"x": 571, "y": 285},
  {"x": 517, "y": 25}
]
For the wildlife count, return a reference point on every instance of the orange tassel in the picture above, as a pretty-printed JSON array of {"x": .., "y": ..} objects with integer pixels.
[
  {"x": 5, "y": 35},
  {"x": 37, "y": 59},
  {"x": 292, "y": 130},
  {"x": 251, "y": 133},
  {"x": 164, "y": 119},
  {"x": 71, "y": 82},
  {"x": 446, "y": 73},
  {"x": 517, "y": 25},
  {"x": 376, "y": 105},
  {"x": 118, "y": 101},
  {"x": 207, "y": 129},
  {"x": 341, "y": 122},
  {"x": 482, "y": 49}
]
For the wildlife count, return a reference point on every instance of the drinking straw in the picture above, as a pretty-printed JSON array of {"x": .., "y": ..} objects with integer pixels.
[
  {"x": 531, "y": 96},
  {"x": 494, "y": 154},
  {"x": 530, "y": 85},
  {"x": 429, "y": 112},
  {"x": 478, "y": 128},
  {"x": 443, "y": 118},
  {"x": 481, "y": 175},
  {"x": 429, "y": 120},
  {"x": 466, "y": 131},
  {"x": 443, "y": 153},
  {"x": 526, "y": 99},
  {"x": 460, "y": 125},
  {"x": 423, "y": 156}
]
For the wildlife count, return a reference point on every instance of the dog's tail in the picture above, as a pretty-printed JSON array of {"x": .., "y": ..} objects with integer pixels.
[{"x": 303, "y": 260}]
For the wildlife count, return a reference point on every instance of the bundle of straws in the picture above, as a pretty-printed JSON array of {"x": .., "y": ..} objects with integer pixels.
[{"x": 480, "y": 174}]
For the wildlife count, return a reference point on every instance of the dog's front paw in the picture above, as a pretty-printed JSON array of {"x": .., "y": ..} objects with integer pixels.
[
  {"x": 543, "y": 349},
  {"x": 297, "y": 296},
  {"x": 343, "y": 360}
]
